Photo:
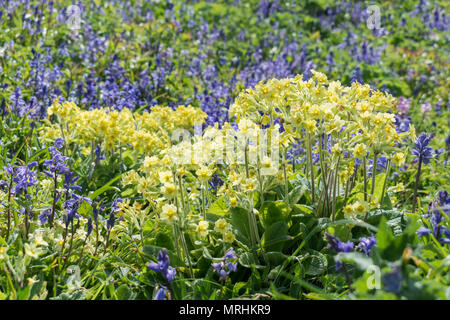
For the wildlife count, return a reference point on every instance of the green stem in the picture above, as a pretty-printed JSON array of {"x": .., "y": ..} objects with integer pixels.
[
  {"x": 365, "y": 178},
  {"x": 385, "y": 181},
  {"x": 374, "y": 170},
  {"x": 286, "y": 184},
  {"x": 311, "y": 166}
]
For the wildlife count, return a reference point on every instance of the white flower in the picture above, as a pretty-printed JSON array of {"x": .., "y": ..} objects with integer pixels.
[
  {"x": 32, "y": 251},
  {"x": 169, "y": 213}
]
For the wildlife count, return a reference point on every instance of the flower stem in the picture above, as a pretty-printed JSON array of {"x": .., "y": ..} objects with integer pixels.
[
  {"x": 374, "y": 170},
  {"x": 311, "y": 166},
  {"x": 365, "y": 178},
  {"x": 416, "y": 185}
]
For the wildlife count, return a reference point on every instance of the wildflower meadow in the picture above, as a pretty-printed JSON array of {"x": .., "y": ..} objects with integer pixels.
[{"x": 229, "y": 149}]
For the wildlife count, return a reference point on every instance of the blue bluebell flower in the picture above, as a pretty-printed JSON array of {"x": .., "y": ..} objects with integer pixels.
[
  {"x": 215, "y": 181},
  {"x": 226, "y": 266},
  {"x": 163, "y": 266},
  {"x": 421, "y": 149},
  {"x": 393, "y": 280},
  {"x": 422, "y": 232},
  {"x": 44, "y": 216},
  {"x": 337, "y": 245},
  {"x": 436, "y": 219},
  {"x": 366, "y": 244},
  {"x": 57, "y": 164},
  {"x": 111, "y": 221},
  {"x": 23, "y": 178},
  {"x": 59, "y": 143},
  {"x": 89, "y": 226},
  {"x": 160, "y": 294}
]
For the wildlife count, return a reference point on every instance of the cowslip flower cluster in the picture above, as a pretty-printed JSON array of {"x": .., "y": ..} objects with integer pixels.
[
  {"x": 341, "y": 126},
  {"x": 146, "y": 132}
]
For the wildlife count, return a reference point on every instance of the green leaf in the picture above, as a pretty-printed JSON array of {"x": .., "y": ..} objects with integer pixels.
[
  {"x": 106, "y": 187},
  {"x": 362, "y": 261},
  {"x": 314, "y": 262},
  {"x": 275, "y": 258},
  {"x": 123, "y": 292},
  {"x": 390, "y": 246},
  {"x": 239, "y": 220},
  {"x": 248, "y": 259},
  {"x": 296, "y": 193},
  {"x": 273, "y": 212},
  {"x": 219, "y": 207},
  {"x": 237, "y": 287},
  {"x": 275, "y": 235},
  {"x": 302, "y": 209}
]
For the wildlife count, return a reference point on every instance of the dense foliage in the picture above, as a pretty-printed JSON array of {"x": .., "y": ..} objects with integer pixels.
[{"x": 256, "y": 149}]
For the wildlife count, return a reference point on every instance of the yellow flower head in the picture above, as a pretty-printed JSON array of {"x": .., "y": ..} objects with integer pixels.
[
  {"x": 360, "y": 150},
  {"x": 228, "y": 237},
  {"x": 202, "y": 229},
  {"x": 221, "y": 226},
  {"x": 169, "y": 213}
]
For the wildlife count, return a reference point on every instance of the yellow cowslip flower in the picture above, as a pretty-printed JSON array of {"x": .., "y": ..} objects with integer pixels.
[
  {"x": 130, "y": 177},
  {"x": 310, "y": 126},
  {"x": 168, "y": 190},
  {"x": 181, "y": 172},
  {"x": 169, "y": 213},
  {"x": 32, "y": 251},
  {"x": 399, "y": 187},
  {"x": 2, "y": 253},
  {"x": 165, "y": 177},
  {"x": 314, "y": 111},
  {"x": 360, "y": 207},
  {"x": 221, "y": 226},
  {"x": 360, "y": 150},
  {"x": 202, "y": 229},
  {"x": 228, "y": 237},
  {"x": 204, "y": 174},
  {"x": 336, "y": 149},
  {"x": 149, "y": 163},
  {"x": 348, "y": 210},
  {"x": 399, "y": 159},
  {"x": 250, "y": 184},
  {"x": 233, "y": 202},
  {"x": 343, "y": 175},
  {"x": 373, "y": 201},
  {"x": 31, "y": 281}
]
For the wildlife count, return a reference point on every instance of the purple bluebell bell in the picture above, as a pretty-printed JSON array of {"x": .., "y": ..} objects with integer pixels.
[
  {"x": 160, "y": 294},
  {"x": 163, "y": 266},
  {"x": 23, "y": 178},
  {"x": 59, "y": 143},
  {"x": 422, "y": 232},
  {"x": 421, "y": 149},
  {"x": 338, "y": 246},
  {"x": 44, "y": 216},
  {"x": 215, "y": 182},
  {"x": 226, "y": 266},
  {"x": 436, "y": 219},
  {"x": 57, "y": 164},
  {"x": 393, "y": 280},
  {"x": 89, "y": 226},
  {"x": 111, "y": 221},
  {"x": 366, "y": 244}
]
